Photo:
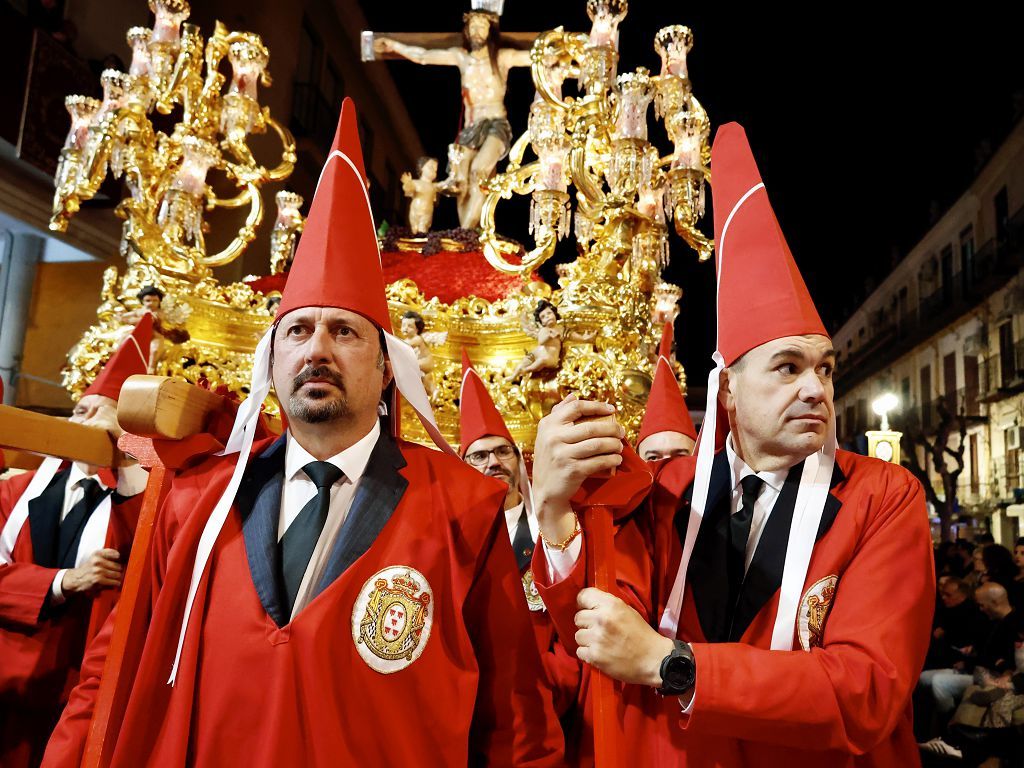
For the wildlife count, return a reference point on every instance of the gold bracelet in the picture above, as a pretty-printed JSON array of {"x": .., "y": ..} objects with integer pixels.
[{"x": 561, "y": 546}]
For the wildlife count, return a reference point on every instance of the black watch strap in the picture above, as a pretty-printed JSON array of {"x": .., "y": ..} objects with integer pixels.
[{"x": 678, "y": 671}]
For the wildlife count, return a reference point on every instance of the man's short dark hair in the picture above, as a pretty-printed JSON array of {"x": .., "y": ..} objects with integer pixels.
[{"x": 150, "y": 290}]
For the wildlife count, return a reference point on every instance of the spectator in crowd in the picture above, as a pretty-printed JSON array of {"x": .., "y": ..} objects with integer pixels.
[
  {"x": 1018, "y": 559},
  {"x": 995, "y": 676},
  {"x": 958, "y": 620},
  {"x": 993, "y": 651},
  {"x": 999, "y": 568},
  {"x": 965, "y": 553},
  {"x": 976, "y": 569},
  {"x": 947, "y": 560}
]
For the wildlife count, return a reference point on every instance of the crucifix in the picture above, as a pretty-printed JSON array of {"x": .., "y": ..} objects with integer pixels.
[{"x": 484, "y": 55}]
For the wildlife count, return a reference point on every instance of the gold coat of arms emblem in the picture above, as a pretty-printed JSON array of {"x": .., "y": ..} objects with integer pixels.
[
  {"x": 391, "y": 618},
  {"x": 533, "y": 599},
  {"x": 814, "y": 609}
]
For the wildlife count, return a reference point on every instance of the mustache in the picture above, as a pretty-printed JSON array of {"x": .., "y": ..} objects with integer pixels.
[{"x": 317, "y": 372}]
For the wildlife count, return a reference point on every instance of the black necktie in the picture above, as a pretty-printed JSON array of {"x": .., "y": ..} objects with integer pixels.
[
  {"x": 739, "y": 532},
  {"x": 300, "y": 539},
  {"x": 522, "y": 542},
  {"x": 69, "y": 534}
]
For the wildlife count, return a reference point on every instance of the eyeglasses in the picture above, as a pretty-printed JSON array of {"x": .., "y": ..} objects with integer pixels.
[{"x": 479, "y": 458}]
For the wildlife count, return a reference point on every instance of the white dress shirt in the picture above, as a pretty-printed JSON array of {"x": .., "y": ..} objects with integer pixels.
[
  {"x": 512, "y": 521},
  {"x": 73, "y": 493},
  {"x": 298, "y": 489},
  {"x": 765, "y": 501}
]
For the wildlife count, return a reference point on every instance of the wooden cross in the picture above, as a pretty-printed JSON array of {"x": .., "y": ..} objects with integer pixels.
[{"x": 521, "y": 41}]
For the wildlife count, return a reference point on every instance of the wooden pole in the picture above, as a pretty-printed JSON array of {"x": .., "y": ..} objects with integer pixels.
[
  {"x": 171, "y": 414},
  {"x": 129, "y": 633},
  {"x": 623, "y": 490},
  {"x": 32, "y": 432},
  {"x": 600, "y": 540}
]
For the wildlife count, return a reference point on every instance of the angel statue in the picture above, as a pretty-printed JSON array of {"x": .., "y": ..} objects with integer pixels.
[
  {"x": 423, "y": 191},
  {"x": 546, "y": 327},
  {"x": 168, "y": 321},
  {"x": 413, "y": 332}
]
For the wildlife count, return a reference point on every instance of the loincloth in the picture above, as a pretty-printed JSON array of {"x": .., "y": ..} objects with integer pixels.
[{"x": 474, "y": 136}]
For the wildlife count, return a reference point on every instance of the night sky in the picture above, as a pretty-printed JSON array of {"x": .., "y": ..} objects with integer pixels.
[{"x": 865, "y": 126}]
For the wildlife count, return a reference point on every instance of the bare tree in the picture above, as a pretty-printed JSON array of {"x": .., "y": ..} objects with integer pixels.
[{"x": 948, "y": 462}]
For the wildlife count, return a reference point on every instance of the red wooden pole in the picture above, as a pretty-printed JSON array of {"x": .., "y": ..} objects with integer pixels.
[
  {"x": 129, "y": 633},
  {"x": 600, "y": 540},
  {"x": 161, "y": 458}
]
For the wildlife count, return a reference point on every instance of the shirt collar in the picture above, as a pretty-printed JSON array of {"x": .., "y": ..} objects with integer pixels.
[
  {"x": 77, "y": 475},
  {"x": 512, "y": 515},
  {"x": 352, "y": 461},
  {"x": 739, "y": 469}
]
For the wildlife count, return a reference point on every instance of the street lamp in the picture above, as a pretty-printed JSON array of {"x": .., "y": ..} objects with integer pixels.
[
  {"x": 884, "y": 443},
  {"x": 883, "y": 405}
]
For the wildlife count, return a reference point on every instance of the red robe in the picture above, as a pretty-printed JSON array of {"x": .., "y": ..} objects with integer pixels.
[
  {"x": 254, "y": 693},
  {"x": 41, "y": 647},
  {"x": 562, "y": 669},
  {"x": 846, "y": 701}
]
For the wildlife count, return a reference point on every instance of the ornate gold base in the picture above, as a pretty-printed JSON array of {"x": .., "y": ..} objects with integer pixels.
[{"x": 223, "y": 322}]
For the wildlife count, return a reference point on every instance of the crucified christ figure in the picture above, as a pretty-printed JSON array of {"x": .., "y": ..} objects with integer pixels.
[{"x": 487, "y": 135}]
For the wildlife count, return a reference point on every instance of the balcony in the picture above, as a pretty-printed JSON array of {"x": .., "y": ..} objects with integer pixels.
[
  {"x": 992, "y": 266},
  {"x": 1002, "y": 375}
]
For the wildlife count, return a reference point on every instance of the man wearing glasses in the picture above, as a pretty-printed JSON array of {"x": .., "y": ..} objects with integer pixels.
[{"x": 488, "y": 447}]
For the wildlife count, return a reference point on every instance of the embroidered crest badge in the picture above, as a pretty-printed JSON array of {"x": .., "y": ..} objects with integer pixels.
[
  {"x": 391, "y": 618},
  {"x": 533, "y": 598},
  {"x": 814, "y": 610}
]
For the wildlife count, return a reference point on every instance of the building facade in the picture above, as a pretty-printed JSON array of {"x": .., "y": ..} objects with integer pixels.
[{"x": 944, "y": 332}]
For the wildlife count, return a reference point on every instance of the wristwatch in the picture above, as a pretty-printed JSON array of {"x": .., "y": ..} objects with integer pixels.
[{"x": 678, "y": 671}]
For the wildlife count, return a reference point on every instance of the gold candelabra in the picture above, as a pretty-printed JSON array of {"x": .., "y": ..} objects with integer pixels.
[
  {"x": 594, "y": 165},
  {"x": 211, "y": 328}
]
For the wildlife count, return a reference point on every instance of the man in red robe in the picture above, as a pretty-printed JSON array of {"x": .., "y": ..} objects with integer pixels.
[
  {"x": 334, "y": 596},
  {"x": 774, "y": 595},
  {"x": 667, "y": 429},
  {"x": 487, "y": 445},
  {"x": 65, "y": 533}
]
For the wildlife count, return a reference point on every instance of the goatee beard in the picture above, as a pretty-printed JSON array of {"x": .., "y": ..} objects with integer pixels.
[{"x": 317, "y": 407}]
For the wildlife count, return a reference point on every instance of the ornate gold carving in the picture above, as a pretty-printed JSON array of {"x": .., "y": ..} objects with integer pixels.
[{"x": 175, "y": 72}]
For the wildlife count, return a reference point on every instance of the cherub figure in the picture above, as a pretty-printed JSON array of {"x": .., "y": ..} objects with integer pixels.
[
  {"x": 168, "y": 322},
  {"x": 547, "y": 328},
  {"x": 423, "y": 191},
  {"x": 413, "y": 332}
]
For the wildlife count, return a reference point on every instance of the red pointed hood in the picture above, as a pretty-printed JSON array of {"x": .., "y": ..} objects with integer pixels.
[
  {"x": 478, "y": 416},
  {"x": 666, "y": 409},
  {"x": 761, "y": 295},
  {"x": 131, "y": 358},
  {"x": 337, "y": 262}
]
